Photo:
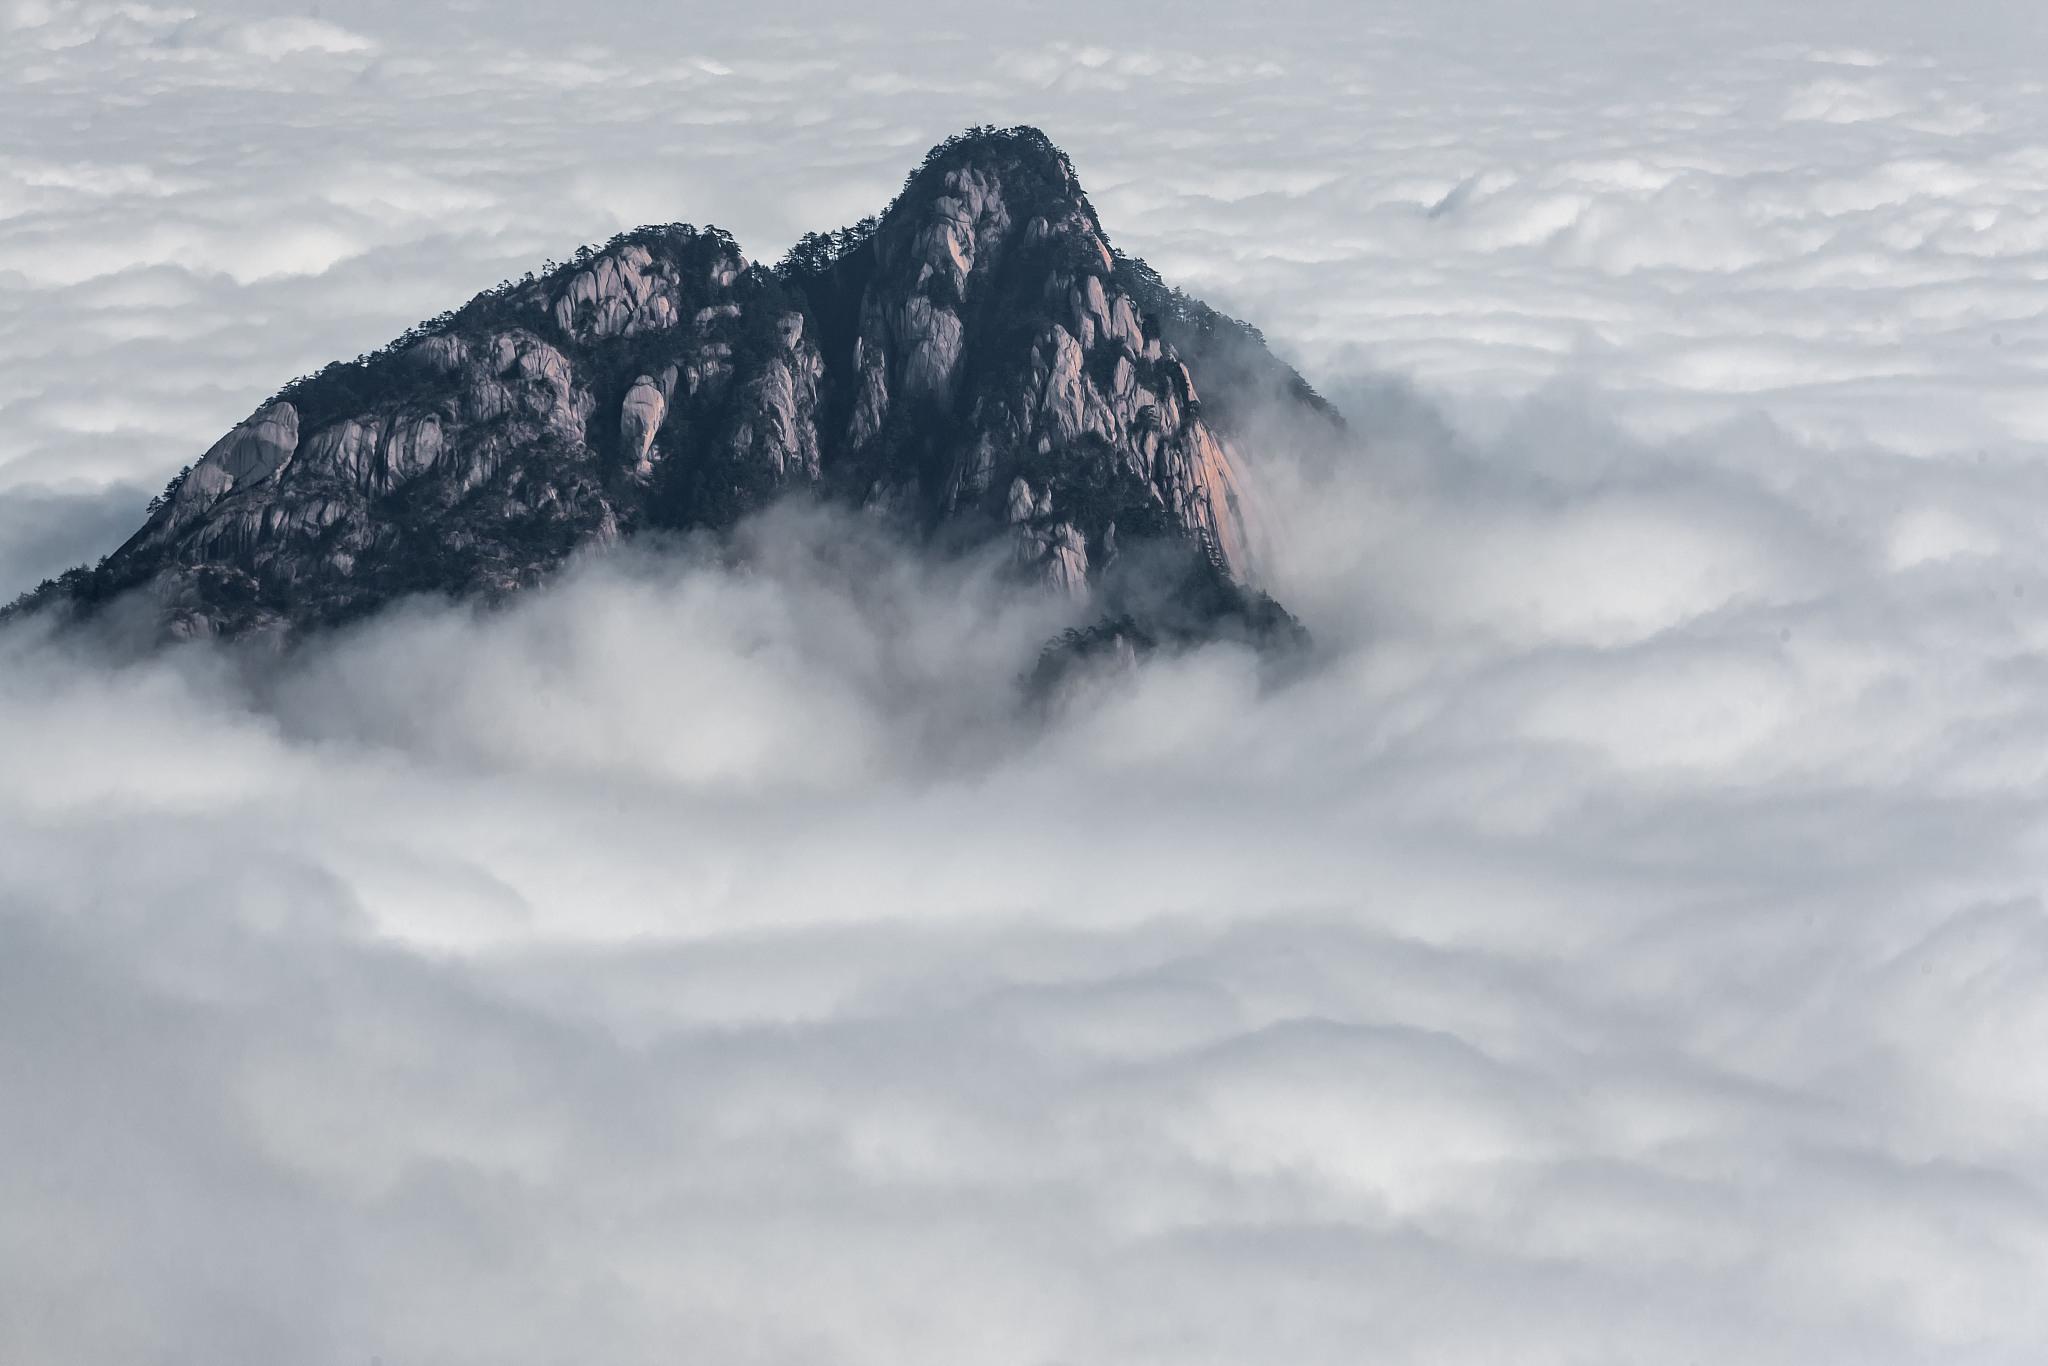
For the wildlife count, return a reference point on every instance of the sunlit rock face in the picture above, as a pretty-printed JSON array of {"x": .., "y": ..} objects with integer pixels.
[
  {"x": 977, "y": 362},
  {"x": 996, "y": 334}
]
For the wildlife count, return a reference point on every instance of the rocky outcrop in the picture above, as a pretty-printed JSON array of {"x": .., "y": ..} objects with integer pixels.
[
  {"x": 640, "y": 417},
  {"x": 978, "y": 361},
  {"x": 246, "y": 457},
  {"x": 621, "y": 293},
  {"x": 1083, "y": 389}
]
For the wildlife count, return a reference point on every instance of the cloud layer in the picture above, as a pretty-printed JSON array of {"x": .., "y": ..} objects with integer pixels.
[{"x": 1623, "y": 943}]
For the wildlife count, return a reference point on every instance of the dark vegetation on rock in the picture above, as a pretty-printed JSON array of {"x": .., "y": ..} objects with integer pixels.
[{"x": 976, "y": 362}]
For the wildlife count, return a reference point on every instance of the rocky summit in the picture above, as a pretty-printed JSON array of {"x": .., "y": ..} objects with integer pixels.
[{"x": 976, "y": 363}]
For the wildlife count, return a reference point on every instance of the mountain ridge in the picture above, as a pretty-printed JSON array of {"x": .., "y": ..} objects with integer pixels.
[{"x": 976, "y": 361}]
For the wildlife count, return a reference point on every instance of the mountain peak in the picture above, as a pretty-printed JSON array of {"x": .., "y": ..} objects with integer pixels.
[
  {"x": 988, "y": 144},
  {"x": 1022, "y": 150},
  {"x": 976, "y": 362}
]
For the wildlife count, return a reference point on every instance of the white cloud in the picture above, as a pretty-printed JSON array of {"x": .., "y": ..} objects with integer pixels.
[
  {"x": 1624, "y": 942},
  {"x": 288, "y": 37}
]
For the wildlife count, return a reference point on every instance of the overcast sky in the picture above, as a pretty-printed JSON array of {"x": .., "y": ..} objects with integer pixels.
[{"x": 1624, "y": 945}]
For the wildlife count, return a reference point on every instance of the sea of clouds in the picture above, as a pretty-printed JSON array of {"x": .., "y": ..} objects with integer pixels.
[{"x": 1622, "y": 943}]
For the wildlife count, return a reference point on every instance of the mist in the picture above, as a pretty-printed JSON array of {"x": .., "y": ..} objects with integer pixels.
[{"x": 1553, "y": 965}]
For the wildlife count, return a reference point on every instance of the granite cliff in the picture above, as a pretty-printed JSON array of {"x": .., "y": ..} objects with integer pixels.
[{"x": 975, "y": 362}]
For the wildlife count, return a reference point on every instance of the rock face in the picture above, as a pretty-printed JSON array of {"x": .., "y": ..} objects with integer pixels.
[{"x": 977, "y": 362}]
